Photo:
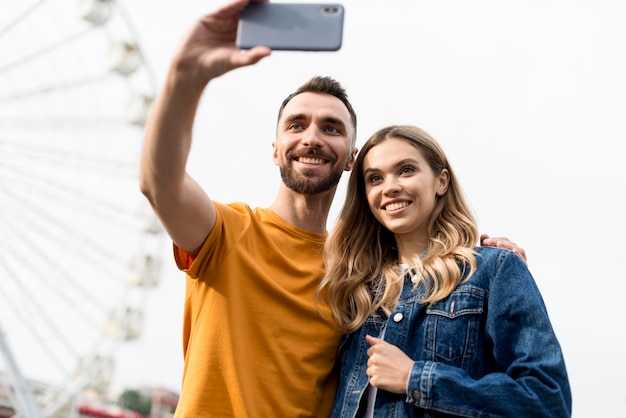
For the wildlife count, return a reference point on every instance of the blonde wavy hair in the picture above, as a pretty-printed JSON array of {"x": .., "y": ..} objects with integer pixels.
[{"x": 362, "y": 272}]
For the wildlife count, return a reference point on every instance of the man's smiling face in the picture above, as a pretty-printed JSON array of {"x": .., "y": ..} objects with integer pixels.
[{"x": 313, "y": 143}]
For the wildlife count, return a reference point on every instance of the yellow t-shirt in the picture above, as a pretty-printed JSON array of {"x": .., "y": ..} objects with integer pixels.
[{"x": 254, "y": 342}]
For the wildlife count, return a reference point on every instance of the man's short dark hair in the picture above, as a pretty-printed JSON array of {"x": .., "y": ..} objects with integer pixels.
[{"x": 323, "y": 85}]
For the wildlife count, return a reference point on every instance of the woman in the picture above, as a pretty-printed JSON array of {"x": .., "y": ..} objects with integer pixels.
[{"x": 436, "y": 326}]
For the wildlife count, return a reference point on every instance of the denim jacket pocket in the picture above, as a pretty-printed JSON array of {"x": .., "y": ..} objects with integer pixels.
[{"x": 453, "y": 326}]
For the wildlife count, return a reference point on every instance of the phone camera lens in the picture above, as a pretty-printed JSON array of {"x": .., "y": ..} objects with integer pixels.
[{"x": 331, "y": 9}]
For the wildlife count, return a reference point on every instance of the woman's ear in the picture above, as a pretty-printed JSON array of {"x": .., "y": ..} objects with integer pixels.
[{"x": 444, "y": 181}]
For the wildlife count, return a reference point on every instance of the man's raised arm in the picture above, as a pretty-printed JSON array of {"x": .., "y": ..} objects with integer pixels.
[{"x": 207, "y": 51}]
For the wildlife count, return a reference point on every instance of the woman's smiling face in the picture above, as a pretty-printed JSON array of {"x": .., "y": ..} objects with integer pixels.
[{"x": 401, "y": 188}]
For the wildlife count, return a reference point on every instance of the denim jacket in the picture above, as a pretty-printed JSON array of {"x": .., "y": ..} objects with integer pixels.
[{"x": 487, "y": 350}]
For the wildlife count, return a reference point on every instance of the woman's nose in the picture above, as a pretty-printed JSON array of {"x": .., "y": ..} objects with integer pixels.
[{"x": 391, "y": 186}]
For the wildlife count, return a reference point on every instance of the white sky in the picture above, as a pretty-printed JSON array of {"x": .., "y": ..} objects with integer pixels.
[{"x": 527, "y": 98}]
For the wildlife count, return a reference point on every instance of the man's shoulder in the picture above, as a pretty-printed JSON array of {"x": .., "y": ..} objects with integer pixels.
[
  {"x": 242, "y": 214},
  {"x": 238, "y": 206}
]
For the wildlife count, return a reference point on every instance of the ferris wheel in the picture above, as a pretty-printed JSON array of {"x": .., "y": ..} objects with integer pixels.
[{"x": 79, "y": 248}]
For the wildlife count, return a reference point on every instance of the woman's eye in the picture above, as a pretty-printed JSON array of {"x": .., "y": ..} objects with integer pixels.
[
  {"x": 407, "y": 169},
  {"x": 374, "y": 178}
]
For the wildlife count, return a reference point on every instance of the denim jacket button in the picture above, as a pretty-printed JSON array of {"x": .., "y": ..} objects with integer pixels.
[
  {"x": 398, "y": 317},
  {"x": 417, "y": 395}
]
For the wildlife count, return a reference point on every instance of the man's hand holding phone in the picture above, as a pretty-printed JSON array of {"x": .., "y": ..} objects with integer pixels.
[{"x": 209, "y": 49}]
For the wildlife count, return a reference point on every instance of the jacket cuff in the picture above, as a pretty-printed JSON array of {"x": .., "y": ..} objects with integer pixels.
[{"x": 417, "y": 388}]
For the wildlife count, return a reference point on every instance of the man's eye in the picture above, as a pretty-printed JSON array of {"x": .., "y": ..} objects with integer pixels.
[
  {"x": 295, "y": 127},
  {"x": 332, "y": 130}
]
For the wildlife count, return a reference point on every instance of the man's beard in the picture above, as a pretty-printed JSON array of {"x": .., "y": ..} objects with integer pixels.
[{"x": 308, "y": 185}]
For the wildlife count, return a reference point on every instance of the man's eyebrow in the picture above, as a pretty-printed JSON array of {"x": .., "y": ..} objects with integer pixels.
[
  {"x": 294, "y": 117},
  {"x": 328, "y": 119},
  {"x": 334, "y": 121}
]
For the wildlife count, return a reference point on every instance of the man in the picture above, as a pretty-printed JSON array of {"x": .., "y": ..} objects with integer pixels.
[{"x": 255, "y": 342}]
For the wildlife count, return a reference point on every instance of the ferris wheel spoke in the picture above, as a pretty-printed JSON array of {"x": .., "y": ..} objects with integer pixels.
[
  {"x": 53, "y": 88},
  {"x": 20, "y": 17},
  {"x": 31, "y": 316},
  {"x": 41, "y": 52},
  {"x": 72, "y": 195},
  {"x": 64, "y": 232},
  {"x": 47, "y": 273}
]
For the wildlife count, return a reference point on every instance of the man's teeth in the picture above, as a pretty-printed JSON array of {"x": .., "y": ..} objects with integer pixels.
[
  {"x": 396, "y": 206},
  {"x": 311, "y": 160}
]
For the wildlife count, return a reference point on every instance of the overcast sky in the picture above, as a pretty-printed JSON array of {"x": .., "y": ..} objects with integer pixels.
[{"x": 527, "y": 98}]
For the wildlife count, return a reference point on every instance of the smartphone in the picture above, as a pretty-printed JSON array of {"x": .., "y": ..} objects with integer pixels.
[{"x": 291, "y": 26}]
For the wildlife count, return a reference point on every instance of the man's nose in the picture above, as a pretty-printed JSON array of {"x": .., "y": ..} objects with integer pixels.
[{"x": 312, "y": 137}]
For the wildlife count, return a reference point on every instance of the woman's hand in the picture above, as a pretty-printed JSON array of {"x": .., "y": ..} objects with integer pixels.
[{"x": 388, "y": 367}]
